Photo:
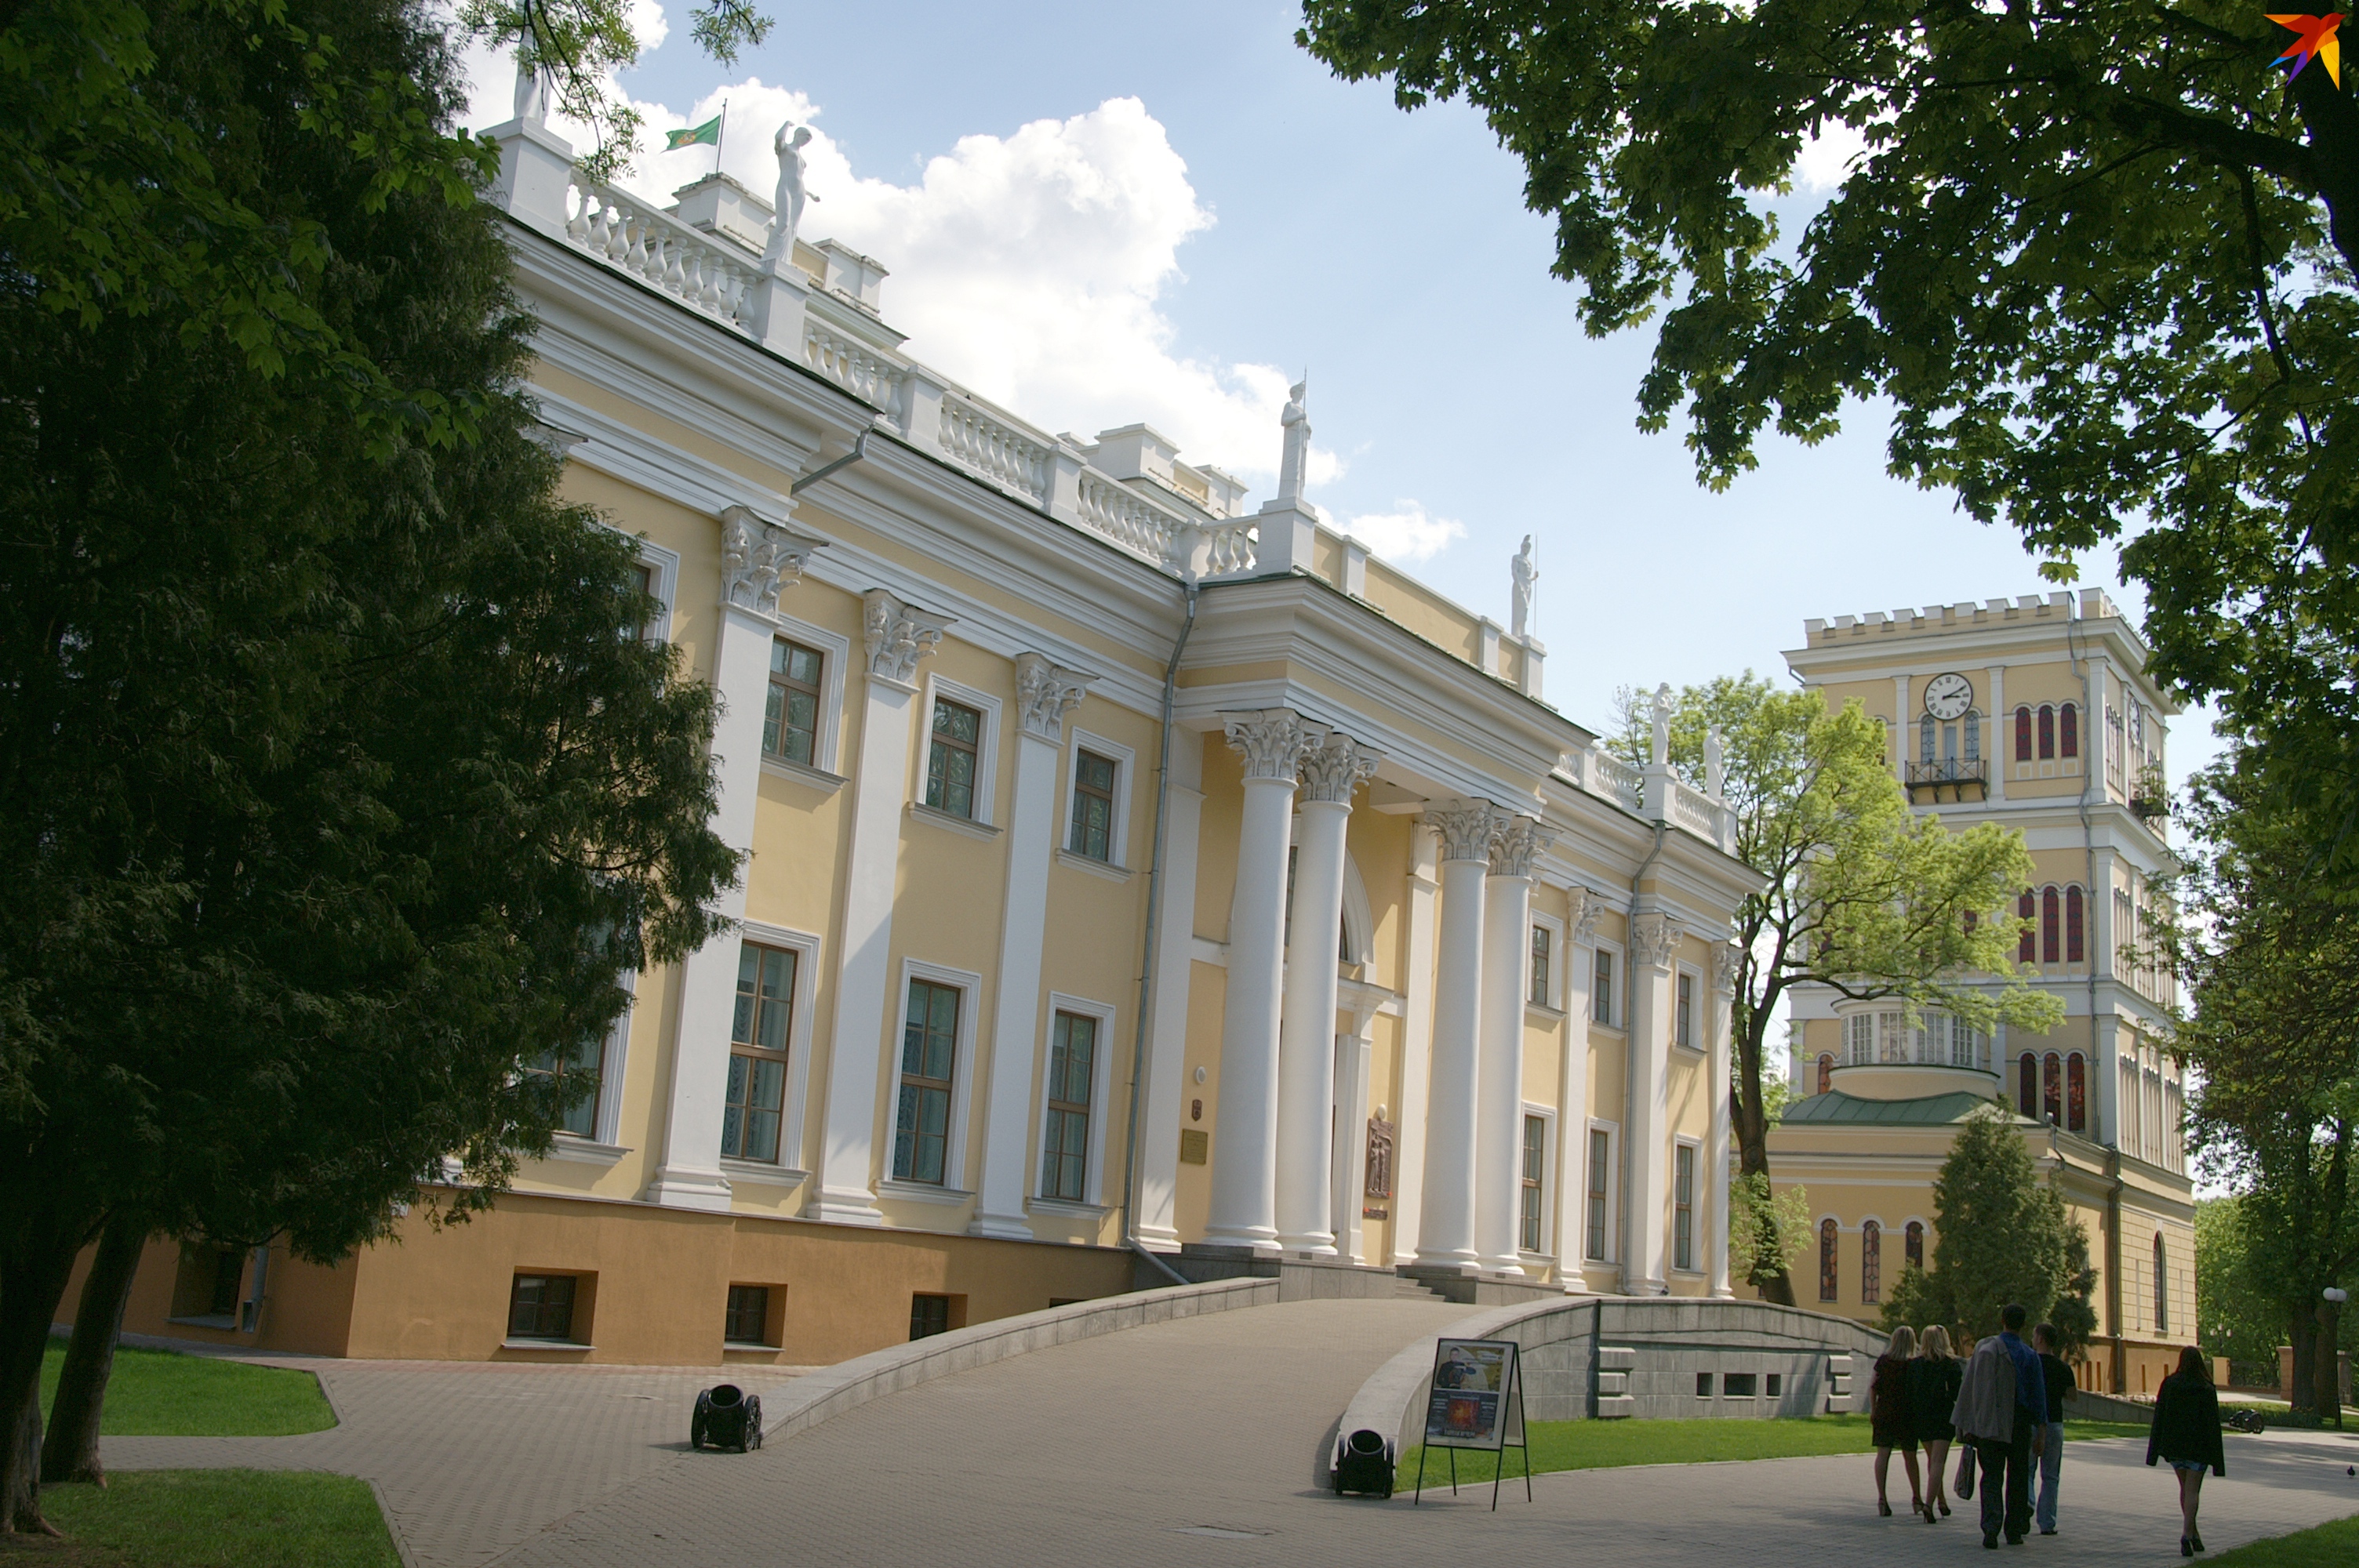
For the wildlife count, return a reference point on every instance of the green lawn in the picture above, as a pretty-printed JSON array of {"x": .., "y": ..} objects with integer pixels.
[
  {"x": 160, "y": 1394},
  {"x": 1601, "y": 1444},
  {"x": 2336, "y": 1544},
  {"x": 210, "y": 1519}
]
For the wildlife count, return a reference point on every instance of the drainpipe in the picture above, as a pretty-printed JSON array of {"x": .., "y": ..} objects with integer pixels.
[
  {"x": 2114, "y": 1268},
  {"x": 1147, "y": 964},
  {"x": 1630, "y": 1042},
  {"x": 859, "y": 451}
]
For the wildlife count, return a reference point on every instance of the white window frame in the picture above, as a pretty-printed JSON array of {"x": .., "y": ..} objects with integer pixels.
[
  {"x": 836, "y": 655},
  {"x": 805, "y": 945},
  {"x": 599, "y": 1147},
  {"x": 1558, "y": 949},
  {"x": 665, "y": 567},
  {"x": 1611, "y": 1253},
  {"x": 1697, "y": 1229},
  {"x": 962, "y": 1073},
  {"x": 1124, "y": 761},
  {"x": 1617, "y": 993},
  {"x": 986, "y": 753},
  {"x": 1093, "y": 1177},
  {"x": 1699, "y": 1027},
  {"x": 1548, "y": 1167}
]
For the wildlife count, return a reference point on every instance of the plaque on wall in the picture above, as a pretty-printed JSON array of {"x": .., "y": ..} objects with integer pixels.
[{"x": 1195, "y": 1146}]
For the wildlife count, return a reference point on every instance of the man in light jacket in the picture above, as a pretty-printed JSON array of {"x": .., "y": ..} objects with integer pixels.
[{"x": 1994, "y": 1412}]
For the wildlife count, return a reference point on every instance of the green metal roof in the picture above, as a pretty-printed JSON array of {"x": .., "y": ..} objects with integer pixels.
[{"x": 1932, "y": 1110}]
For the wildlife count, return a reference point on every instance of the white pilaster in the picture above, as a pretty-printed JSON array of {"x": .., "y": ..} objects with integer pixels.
[
  {"x": 1446, "y": 1227},
  {"x": 897, "y": 636},
  {"x": 1580, "y": 962},
  {"x": 1349, "y": 1160},
  {"x": 759, "y": 557},
  {"x": 1329, "y": 772},
  {"x": 1166, "y": 1090},
  {"x": 1044, "y": 695},
  {"x": 1724, "y": 959},
  {"x": 1654, "y": 938},
  {"x": 1243, "y": 1211},
  {"x": 1998, "y": 740},
  {"x": 1416, "y": 1044},
  {"x": 1506, "y": 946}
]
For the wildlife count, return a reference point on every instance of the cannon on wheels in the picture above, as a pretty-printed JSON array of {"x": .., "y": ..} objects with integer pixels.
[
  {"x": 726, "y": 1417},
  {"x": 1364, "y": 1464}
]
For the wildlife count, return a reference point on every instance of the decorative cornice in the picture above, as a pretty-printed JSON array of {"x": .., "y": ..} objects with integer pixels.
[
  {"x": 1654, "y": 938},
  {"x": 899, "y": 635},
  {"x": 1465, "y": 828},
  {"x": 1272, "y": 740},
  {"x": 1331, "y": 769},
  {"x": 1581, "y": 910},
  {"x": 1726, "y": 961},
  {"x": 1517, "y": 843},
  {"x": 760, "y": 558},
  {"x": 1045, "y": 693}
]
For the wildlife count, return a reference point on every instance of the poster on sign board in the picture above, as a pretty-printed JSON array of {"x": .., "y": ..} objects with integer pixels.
[{"x": 1472, "y": 1379}]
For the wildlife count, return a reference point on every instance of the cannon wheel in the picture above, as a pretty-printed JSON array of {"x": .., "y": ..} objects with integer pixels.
[
  {"x": 695, "y": 1432},
  {"x": 751, "y": 1438}
]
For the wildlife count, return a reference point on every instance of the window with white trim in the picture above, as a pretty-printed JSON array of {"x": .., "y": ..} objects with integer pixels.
[
  {"x": 1599, "y": 1194},
  {"x": 759, "y": 1031},
  {"x": 1065, "y": 1131},
  {"x": 921, "y": 1122},
  {"x": 1683, "y": 1204}
]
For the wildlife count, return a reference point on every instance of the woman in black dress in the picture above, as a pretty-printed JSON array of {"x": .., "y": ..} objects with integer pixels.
[
  {"x": 1932, "y": 1394},
  {"x": 1891, "y": 1419},
  {"x": 2186, "y": 1436}
]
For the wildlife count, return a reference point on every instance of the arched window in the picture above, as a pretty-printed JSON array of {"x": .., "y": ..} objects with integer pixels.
[
  {"x": 1973, "y": 736},
  {"x": 1925, "y": 739},
  {"x": 2068, "y": 743},
  {"x": 1912, "y": 1244},
  {"x": 2027, "y": 947},
  {"x": 2051, "y": 1086},
  {"x": 2076, "y": 1093},
  {"x": 1829, "y": 1284},
  {"x": 2023, "y": 734},
  {"x": 1871, "y": 1261},
  {"x": 2026, "y": 1083},
  {"x": 2075, "y": 949},
  {"x": 2161, "y": 1287},
  {"x": 1826, "y": 1072},
  {"x": 2046, "y": 732},
  {"x": 2049, "y": 946}
]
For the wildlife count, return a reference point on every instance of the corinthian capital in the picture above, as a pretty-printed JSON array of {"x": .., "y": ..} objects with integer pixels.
[
  {"x": 1333, "y": 769},
  {"x": 1045, "y": 693},
  {"x": 899, "y": 635},
  {"x": 1272, "y": 740},
  {"x": 758, "y": 558},
  {"x": 1582, "y": 909},
  {"x": 1518, "y": 842},
  {"x": 1465, "y": 828},
  {"x": 1726, "y": 959},
  {"x": 1654, "y": 938}
]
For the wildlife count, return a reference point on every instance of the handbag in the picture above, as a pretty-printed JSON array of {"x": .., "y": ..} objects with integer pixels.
[{"x": 1965, "y": 1484}]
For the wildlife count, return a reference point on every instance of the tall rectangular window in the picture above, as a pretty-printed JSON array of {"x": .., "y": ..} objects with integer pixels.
[
  {"x": 758, "y": 1052},
  {"x": 572, "y": 1077},
  {"x": 1542, "y": 944},
  {"x": 1601, "y": 1171},
  {"x": 1093, "y": 806},
  {"x": 540, "y": 1306},
  {"x": 1684, "y": 1026},
  {"x": 1683, "y": 1206},
  {"x": 928, "y": 1315},
  {"x": 921, "y": 1125},
  {"x": 1531, "y": 1196},
  {"x": 1601, "y": 988},
  {"x": 950, "y": 763},
  {"x": 748, "y": 1317},
  {"x": 790, "y": 722},
  {"x": 1065, "y": 1138}
]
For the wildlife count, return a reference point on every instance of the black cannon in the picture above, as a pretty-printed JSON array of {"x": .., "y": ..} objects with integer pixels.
[
  {"x": 1363, "y": 1463},
  {"x": 726, "y": 1417}
]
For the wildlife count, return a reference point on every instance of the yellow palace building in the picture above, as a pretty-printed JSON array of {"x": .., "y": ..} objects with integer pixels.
[
  {"x": 2035, "y": 713},
  {"x": 1137, "y": 881}
]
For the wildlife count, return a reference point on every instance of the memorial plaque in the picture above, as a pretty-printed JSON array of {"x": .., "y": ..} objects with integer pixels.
[{"x": 1195, "y": 1146}]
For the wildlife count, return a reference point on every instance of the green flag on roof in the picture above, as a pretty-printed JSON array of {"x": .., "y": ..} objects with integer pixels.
[{"x": 709, "y": 134}]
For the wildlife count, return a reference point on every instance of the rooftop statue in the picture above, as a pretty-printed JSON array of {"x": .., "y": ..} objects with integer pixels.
[
  {"x": 1296, "y": 422},
  {"x": 788, "y": 203},
  {"x": 1526, "y": 572},
  {"x": 1662, "y": 753}
]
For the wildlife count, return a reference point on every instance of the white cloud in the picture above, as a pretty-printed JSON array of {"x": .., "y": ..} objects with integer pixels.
[
  {"x": 1407, "y": 535},
  {"x": 1824, "y": 162}
]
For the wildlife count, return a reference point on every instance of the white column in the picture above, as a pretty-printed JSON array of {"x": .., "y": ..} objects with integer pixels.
[
  {"x": 897, "y": 636},
  {"x": 1417, "y": 1046},
  {"x": 1243, "y": 1207},
  {"x": 1044, "y": 695},
  {"x": 1724, "y": 961},
  {"x": 1446, "y": 1227},
  {"x": 1506, "y": 946},
  {"x": 758, "y": 558},
  {"x": 1166, "y": 1090},
  {"x": 2105, "y": 1066},
  {"x": 1998, "y": 741},
  {"x": 1654, "y": 938},
  {"x": 1349, "y": 1163},
  {"x": 1329, "y": 772},
  {"x": 1579, "y": 961}
]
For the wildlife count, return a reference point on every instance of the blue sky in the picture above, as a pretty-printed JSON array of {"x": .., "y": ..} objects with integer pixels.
[{"x": 1092, "y": 262}]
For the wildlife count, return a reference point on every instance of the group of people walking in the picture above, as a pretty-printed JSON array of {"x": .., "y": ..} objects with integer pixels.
[{"x": 2005, "y": 1405}]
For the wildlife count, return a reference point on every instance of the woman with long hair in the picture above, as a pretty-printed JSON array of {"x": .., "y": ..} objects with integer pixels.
[
  {"x": 1932, "y": 1395},
  {"x": 2186, "y": 1436},
  {"x": 1892, "y": 1420}
]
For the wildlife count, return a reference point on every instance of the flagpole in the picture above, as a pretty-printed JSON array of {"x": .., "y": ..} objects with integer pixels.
[{"x": 720, "y": 136}]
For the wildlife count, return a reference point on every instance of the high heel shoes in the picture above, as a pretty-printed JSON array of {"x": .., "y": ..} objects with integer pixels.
[
  {"x": 2185, "y": 1548},
  {"x": 1945, "y": 1508},
  {"x": 1882, "y": 1508}
]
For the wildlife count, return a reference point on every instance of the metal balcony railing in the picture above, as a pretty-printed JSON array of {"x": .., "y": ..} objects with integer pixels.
[{"x": 1950, "y": 771}]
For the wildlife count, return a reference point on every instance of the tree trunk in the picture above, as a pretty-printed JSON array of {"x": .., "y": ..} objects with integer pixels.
[
  {"x": 1749, "y": 1109},
  {"x": 70, "y": 1450},
  {"x": 2328, "y": 1373},
  {"x": 2302, "y": 1335},
  {"x": 34, "y": 1267}
]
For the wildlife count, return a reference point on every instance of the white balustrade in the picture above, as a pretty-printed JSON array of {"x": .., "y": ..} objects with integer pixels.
[
  {"x": 1113, "y": 508},
  {"x": 867, "y": 375},
  {"x": 1694, "y": 812},
  {"x": 1234, "y": 547},
  {"x": 1617, "y": 780},
  {"x": 641, "y": 239},
  {"x": 993, "y": 448}
]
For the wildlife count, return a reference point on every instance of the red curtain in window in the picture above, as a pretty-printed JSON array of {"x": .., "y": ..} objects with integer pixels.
[
  {"x": 2046, "y": 732},
  {"x": 1829, "y": 1283},
  {"x": 2069, "y": 743},
  {"x": 2023, "y": 733},
  {"x": 2076, "y": 1093},
  {"x": 2026, "y": 1085},
  {"x": 2073, "y": 946},
  {"x": 2051, "y": 1083},
  {"x": 2047, "y": 923},
  {"x": 1871, "y": 1261},
  {"x": 1826, "y": 1072},
  {"x": 2027, "y": 947}
]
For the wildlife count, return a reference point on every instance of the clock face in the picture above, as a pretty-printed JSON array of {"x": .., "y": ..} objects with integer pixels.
[{"x": 1946, "y": 696}]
